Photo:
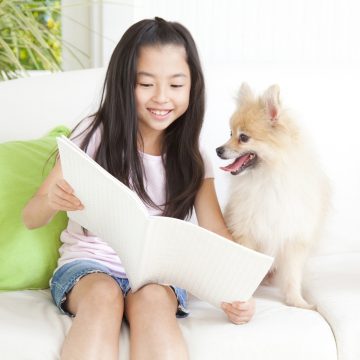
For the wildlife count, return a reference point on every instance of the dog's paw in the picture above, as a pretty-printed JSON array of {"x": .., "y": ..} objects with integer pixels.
[{"x": 300, "y": 303}]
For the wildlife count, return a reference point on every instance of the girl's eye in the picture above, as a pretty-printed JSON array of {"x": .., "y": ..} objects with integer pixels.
[
  {"x": 177, "y": 86},
  {"x": 230, "y": 133},
  {"x": 244, "y": 138},
  {"x": 145, "y": 85}
]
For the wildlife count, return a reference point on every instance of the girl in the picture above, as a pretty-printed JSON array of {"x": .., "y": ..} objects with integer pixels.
[{"x": 146, "y": 133}]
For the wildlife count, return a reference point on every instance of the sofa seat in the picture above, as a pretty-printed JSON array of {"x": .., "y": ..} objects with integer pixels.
[
  {"x": 333, "y": 283},
  {"x": 32, "y": 327},
  {"x": 276, "y": 332}
]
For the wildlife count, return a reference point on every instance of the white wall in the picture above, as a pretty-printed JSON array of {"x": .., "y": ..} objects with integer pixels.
[
  {"x": 305, "y": 33},
  {"x": 277, "y": 32}
]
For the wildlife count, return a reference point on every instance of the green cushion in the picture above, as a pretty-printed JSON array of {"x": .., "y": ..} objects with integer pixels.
[{"x": 27, "y": 257}]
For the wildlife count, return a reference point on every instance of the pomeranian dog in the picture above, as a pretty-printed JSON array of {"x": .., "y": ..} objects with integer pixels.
[{"x": 279, "y": 196}]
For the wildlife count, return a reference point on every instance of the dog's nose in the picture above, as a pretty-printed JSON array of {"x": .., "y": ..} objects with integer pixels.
[{"x": 220, "y": 150}]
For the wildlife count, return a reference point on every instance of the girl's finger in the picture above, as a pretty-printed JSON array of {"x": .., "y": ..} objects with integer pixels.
[
  {"x": 247, "y": 306},
  {"x": 241, "y": 305},
  {"x": 239, "y": 319},
  {"x": 233, "y": 310},
  {"x": 66, "y": 196},
  {"x": 63, "y": 184},
  {"x": 235, "y": 315},
  {"x": 60, "y": 204}
]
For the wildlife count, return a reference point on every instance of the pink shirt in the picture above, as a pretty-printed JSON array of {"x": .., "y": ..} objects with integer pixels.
[{"x": 76, "y": 245}]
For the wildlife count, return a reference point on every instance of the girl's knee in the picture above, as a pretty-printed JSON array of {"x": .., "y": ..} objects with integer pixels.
[
  {"x": 152, "y": 297},
  {"x": 154, "y": 293},
  {"x": 96, "y": 291}
]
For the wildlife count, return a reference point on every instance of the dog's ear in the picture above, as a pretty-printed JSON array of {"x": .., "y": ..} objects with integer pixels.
[
  {"x": 244, "y": 94},
  {"x": 271, "y": 101}
]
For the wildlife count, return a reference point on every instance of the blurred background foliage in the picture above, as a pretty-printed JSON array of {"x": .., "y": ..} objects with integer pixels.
[{"x": 30, "y": 37}]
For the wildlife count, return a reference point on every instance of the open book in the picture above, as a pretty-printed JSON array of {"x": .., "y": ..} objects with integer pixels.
[{"x": 157, "y": 249}]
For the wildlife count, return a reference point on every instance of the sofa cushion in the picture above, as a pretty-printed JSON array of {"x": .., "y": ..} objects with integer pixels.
[
  {"x": 333, "y": 283},
  {"x": 27, "y": 257},
  {"x": 276, "y": 332}
]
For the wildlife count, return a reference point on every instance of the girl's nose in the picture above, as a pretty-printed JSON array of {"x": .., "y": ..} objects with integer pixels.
[{"x": 160, "y": 95}]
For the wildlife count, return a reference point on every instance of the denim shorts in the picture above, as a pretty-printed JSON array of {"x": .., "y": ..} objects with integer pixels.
[{"x": 65, "y": 278}]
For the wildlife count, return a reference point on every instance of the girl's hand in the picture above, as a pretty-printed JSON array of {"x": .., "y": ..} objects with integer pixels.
[
  {"x": 239, "y": 312},
  {"x": 60, "y": 197}
]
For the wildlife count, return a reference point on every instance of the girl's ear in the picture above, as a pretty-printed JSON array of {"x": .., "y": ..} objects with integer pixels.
[
  {"x": 270, "y": 100},
  {"x": 244, "y": 95}
]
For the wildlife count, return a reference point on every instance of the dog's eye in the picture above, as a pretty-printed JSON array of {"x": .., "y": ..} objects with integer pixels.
[{"x": 244, "y": 138}]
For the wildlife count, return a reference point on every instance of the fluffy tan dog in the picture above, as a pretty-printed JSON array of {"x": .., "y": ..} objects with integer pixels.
[{"x": 279, "y": 195}]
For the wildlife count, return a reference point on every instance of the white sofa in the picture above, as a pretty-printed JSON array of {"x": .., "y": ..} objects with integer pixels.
[{"x": 31, "y": 327}]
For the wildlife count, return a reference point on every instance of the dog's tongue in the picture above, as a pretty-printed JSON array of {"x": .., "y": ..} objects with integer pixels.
[{"x": 236, "y": 164}]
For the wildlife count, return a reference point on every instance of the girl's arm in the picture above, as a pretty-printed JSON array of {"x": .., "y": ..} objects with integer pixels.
[
  {"x": 54, "y": 195},
  {"x": 210, "y": 217},
  {"x": 208, "y": 212}
]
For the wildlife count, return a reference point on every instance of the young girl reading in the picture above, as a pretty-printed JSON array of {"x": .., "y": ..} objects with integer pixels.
[{"x": 145, "y": 133}]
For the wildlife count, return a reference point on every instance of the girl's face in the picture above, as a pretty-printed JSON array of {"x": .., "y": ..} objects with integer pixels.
[{"x": 162, "y": 87}]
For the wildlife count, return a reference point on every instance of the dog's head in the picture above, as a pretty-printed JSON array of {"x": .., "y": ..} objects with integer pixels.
[{"x": 258, "y": 130}]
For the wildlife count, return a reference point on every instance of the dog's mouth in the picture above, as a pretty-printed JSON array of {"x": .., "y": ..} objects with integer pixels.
[{"x": 241, "y": 163}]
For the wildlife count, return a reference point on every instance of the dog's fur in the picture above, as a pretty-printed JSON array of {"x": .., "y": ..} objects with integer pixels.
[{"x": 280, "y": 196}]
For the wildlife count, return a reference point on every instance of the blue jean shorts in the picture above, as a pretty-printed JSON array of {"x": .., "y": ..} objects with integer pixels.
[{"x": 66, "y": 277}]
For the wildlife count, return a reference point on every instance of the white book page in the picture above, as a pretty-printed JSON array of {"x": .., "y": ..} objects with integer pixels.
[
  {"x": 111, "y": 210},
  {"x": 158, "y": 249},
  {"x": 211, "y": 267}
]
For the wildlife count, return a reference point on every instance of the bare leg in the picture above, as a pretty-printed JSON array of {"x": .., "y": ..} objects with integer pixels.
[
  {"x": 98, "y": 305},
  {"x": 290, "y": 274},
  {"x": 154, "y": 331}
]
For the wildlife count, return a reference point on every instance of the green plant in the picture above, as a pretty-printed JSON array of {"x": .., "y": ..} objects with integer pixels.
[{"x": 30, "y": 37}]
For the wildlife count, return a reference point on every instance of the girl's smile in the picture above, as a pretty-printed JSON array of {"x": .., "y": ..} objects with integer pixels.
[{"x": 160, "y": 114}]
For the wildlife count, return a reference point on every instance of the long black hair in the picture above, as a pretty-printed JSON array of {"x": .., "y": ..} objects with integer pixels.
[{"x": 117, "y": 118}]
